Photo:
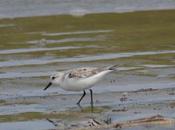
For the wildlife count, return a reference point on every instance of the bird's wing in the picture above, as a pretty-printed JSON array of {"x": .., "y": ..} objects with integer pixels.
[{"x": 84, "y": 72}]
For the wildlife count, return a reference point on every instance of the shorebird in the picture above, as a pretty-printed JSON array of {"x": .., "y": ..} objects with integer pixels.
[{"x": 80, "y": 79}]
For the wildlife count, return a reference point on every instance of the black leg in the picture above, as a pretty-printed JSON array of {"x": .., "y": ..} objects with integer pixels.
[
  {"x": 84, "y": 93},
  {"x": 91, "y": 92}
]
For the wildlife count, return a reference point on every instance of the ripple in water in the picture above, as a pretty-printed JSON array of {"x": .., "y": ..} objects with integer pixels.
[
  {"x": 27, "y": 50},
  {"x": 81, "y": 58},
  {"x": 44, "y": 41},
  {"x": 77, "y": 32}
]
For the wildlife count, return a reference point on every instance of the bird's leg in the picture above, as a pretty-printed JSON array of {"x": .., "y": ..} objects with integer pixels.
[
  {"x": 91, "y": 92},
  {"x": 84, "y": 93}
]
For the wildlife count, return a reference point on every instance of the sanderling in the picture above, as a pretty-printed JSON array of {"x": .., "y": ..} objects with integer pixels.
[{"x": 80, "y": 79}]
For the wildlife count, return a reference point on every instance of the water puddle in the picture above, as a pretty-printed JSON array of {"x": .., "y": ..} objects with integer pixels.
[
  {"x": 28, "y": 50},
  {"x": 150, "y": 127},
  {"x": 157, "y": 66},
  {"x": 16, "y": 108},
  {"x": 77, "y": 32},
  {"x": 65, "y": 40},
  {"x": 7, "y": 25},
  {"x": 27, "y": 125},
  {"x": 10, "y": 75}
]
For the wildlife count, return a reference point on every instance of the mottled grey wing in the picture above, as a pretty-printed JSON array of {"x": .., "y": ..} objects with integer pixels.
[{"x": 83, "y": 72}]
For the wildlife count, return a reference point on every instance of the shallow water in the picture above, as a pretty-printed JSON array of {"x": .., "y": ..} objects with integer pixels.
[
  {"x": 27, "y": 125},
  {"x": 32, "y": 48}
]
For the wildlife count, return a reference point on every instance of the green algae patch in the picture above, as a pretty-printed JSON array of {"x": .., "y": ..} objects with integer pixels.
[
  {"x": 93, "y": 110},
  {"x": 21, "y": 117},
  {"x": 2, "y": 101},
  {"x": 143, "y": 30},
  {"x": 53, "y": 115},
  {"x": 109, "y": 32}
]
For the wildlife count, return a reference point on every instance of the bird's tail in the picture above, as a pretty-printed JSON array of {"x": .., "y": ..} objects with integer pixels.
[{"x": 113, "y": 67}]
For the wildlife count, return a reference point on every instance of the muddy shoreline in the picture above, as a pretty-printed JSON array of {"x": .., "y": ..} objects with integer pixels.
[
  {"x": 108, "y": 108},
  {"x": 141, "y": 43}
]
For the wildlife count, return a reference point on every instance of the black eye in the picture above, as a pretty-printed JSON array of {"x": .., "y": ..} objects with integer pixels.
[{"x": 53, "y": 77}]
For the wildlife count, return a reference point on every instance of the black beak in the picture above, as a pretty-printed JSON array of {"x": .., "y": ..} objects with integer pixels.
[{"x": 48, "y": 86}]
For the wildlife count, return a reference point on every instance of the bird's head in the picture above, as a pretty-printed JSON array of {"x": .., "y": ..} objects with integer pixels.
[{"x": 55, "y": 79}]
